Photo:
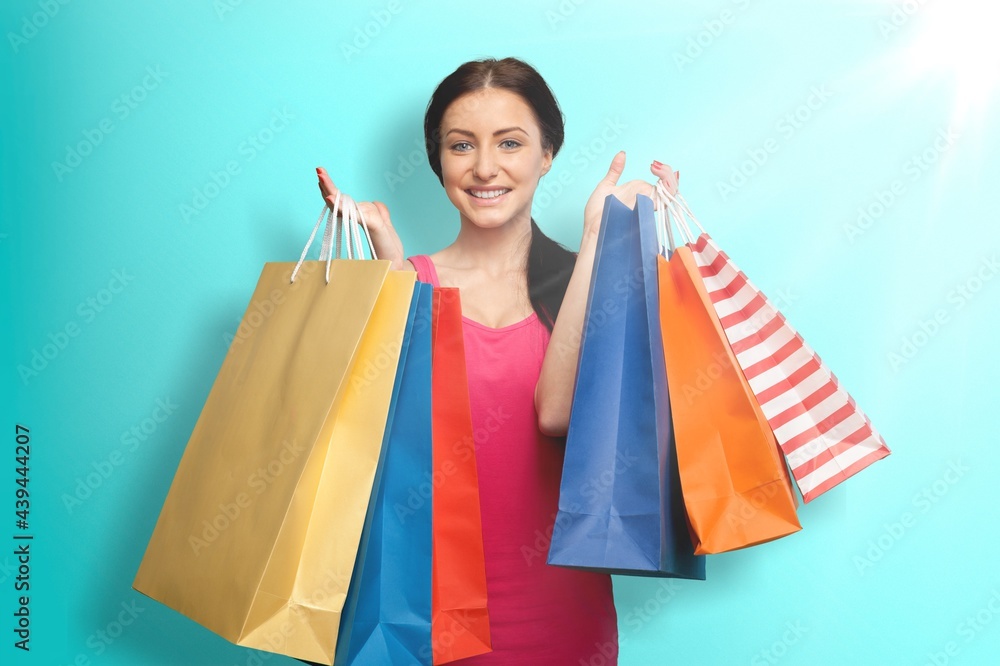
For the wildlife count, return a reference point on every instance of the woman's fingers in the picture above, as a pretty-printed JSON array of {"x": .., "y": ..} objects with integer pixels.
[
  {"x": 376, "y": 214},
  {"x": 384, "y": 238},
  {"x": 661, "y": 170},
  {"x": 373, "y": 214},
  {"x": 667, "y": 176},
  {"x": 383, "y": 212},
  {"x": 330, "y": 191},
  {"x": 325, "y": 184},
  {"x": 326, "y": 187},
  {"x": 376, "y": 218},
  {"x": 627, "y": 193},
  {"x": 616, "y": 168}
]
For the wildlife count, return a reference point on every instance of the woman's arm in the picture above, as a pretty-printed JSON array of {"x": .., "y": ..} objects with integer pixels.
[{"x": 554, "y": 390}]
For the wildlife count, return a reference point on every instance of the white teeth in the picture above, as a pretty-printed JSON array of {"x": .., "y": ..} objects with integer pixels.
[{"x": 488, "y": 194}]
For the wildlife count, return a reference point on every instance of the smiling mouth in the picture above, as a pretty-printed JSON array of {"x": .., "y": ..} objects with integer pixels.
[{"x": 488, "y": 194}]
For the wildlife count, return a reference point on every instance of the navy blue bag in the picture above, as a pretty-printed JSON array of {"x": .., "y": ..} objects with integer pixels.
[
  {"x": 620, "y": 504},
  {"x": 387, "y": 613}
]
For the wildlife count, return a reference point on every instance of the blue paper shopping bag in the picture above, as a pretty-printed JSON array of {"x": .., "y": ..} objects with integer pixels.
[
  {"x": 387, "y": 613},
  {"x": 620, "y": 504}
]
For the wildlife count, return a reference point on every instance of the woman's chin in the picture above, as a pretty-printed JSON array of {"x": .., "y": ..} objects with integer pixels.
[{"x": 488, "y": 221}]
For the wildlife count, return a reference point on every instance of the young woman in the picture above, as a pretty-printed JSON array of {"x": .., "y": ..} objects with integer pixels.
[{"x": 492, "y": 129}]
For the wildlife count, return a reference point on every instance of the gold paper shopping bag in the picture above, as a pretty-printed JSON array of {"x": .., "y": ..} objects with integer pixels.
[{"x": 259, "y": 531}]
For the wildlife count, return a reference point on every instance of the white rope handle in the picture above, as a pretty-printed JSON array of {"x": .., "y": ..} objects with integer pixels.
[
  {"x": 357, "y": 224},
  {"x": 680, "y": 199},
  {"x": 679, "y": 211},
  {"x": 364, "y": 225},
  {"x": 339, "y": 227},
  {"x": 350, "y": 221},
  {"x": 336, "y": 233},
  {"x": 326, "y": 212},
  {"x": 669, "y": 218},
  {"x": 658, "y": 222},
  {"x": 342, "y": 227},
  {"x": 664, "y": 235},
  {"x": 344, "y": 221},
  {"x": 324, "y": 250}
]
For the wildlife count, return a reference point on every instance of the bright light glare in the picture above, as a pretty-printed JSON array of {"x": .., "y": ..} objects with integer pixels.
[{"x": 958, "y": 39}]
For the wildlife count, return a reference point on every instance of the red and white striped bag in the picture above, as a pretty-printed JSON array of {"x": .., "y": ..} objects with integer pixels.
[{"x": 825, "y": 437}]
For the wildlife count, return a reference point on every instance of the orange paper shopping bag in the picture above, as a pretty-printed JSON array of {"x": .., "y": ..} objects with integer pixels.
[
  {"x": 735, "y": 486},
  {"x": 459, "y": 620},
  {"x": 824, "y": 435}
]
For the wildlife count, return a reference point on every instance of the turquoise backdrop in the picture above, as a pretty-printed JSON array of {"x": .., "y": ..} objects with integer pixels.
[{"x": 155, "y": 155}]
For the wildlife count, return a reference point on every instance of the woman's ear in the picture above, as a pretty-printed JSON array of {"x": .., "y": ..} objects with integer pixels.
[{"x": 546, "y": 161}]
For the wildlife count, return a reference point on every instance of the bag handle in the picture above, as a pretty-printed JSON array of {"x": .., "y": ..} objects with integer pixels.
[
  {"x": 674, "y": 207},
  {"x": 668, "y": 213},
  {"x": 339, "y": 226},
  {"x": 687, "y": 211},
  {"x": 664, "y": 234},
  {"x": 329, "y": 232},
  {"x": 348, "y": 231},
  {"x": 325, "y": 212}
]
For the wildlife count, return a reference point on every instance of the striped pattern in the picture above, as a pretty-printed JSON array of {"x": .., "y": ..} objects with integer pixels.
[{"x": 825, "y": 437}]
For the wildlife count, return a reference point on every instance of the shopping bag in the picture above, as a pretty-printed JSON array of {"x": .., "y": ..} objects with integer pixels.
[
  {"x": 825, "y": 436},
  {"x": 387, "y": 614},
  {"x": 735, "y": 485},
  {"x": 620, "y": 504},
  {"x": 460, "y": 619},
  {"x": 258, "y": 534}
]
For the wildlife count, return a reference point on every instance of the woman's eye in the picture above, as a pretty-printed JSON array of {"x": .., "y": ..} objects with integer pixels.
[
  {"x": 509, "y": 143},
  {"x": 462, "y": 146}
]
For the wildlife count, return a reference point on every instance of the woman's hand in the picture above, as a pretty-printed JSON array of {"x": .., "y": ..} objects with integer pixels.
[
  {"x": 667, "y": 176},
  {"x": 554, "y": 390},
  {"x": 384, "y": 236},
  {"x": 625, "y": 193}
]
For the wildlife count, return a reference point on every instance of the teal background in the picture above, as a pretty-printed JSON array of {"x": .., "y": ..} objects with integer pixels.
[{"x": 877, "y": 575}]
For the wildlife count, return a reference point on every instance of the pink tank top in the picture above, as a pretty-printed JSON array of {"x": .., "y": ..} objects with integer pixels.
[{"x": 539, "y": 614}]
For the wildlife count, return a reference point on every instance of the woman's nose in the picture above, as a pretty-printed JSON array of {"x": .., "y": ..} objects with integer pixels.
[{"x": 486, "y": 166}]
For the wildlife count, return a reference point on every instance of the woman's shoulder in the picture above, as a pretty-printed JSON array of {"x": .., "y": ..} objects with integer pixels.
[
  {"x": 415, "y": 261},
  {"x": 433, "y": 267},
  {"x": 424, "y": 268}
]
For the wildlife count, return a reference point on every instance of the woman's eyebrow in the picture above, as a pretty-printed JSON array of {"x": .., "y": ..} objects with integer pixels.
[
  {"x": 508, "y": 129},
  {"x": 497, "y": 133}
]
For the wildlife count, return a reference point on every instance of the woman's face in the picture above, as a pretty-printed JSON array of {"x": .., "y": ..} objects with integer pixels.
[{"x": 492, "y": 157}]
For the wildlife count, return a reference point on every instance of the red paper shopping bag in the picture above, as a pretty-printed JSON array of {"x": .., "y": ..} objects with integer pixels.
[{"x": 459, "y": 620}]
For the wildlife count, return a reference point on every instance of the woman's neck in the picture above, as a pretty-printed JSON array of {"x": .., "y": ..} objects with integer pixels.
[{"x": 498, "y": 251}]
